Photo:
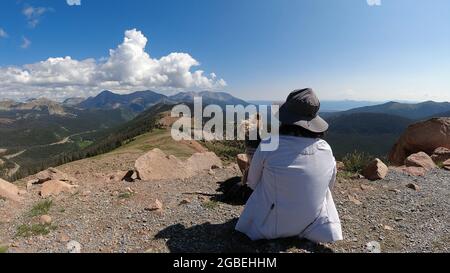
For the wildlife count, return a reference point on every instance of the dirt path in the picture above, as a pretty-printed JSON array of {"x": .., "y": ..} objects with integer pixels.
[
  {"x": 14, "y": 155},
  {"x": 14, "y": 170}
]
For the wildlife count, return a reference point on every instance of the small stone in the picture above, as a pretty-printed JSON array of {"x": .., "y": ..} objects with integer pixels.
[
  {"x": 366, "y": 187},
  {"x": 386, "y": 227},
  {"x": 63, "y": 238},
  {"x": 22, "y": 192},
  {"x": 354, "y": 200},
  {"x": 203, "y": 198},
  {"x": 373, "y": 247},
  {"x": 73, "y": 247},
  {"x": 45, "y": 220},
  {"x": 155, "y": 206},
  {"x": 30, "y": 184},
  {"x": 395, "y": 190},
  {"x": 413, "y": 186},
  {"x": 185, "y": 201},
  {"x": 86, "y": 193},
  {"x": 340, "y": 166}
]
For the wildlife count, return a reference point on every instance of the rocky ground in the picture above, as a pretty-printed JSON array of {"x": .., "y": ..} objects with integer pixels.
[{"x": 112, "y": 216}]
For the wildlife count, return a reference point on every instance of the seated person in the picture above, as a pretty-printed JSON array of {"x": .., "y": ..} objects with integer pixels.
[{"x": 292, "y": 185}]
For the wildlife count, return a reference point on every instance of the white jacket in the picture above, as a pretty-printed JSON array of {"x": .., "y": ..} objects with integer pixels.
[{"x": 292, "y": 195}]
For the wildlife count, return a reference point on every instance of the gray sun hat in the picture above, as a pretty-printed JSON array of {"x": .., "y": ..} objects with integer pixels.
[{"x": 302, "y": 108}]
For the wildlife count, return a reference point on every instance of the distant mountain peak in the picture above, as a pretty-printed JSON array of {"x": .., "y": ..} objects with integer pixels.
[{"x": 407, "y": 110}]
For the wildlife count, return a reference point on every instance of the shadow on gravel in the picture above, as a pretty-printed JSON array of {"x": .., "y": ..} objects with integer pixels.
[
  {"x": 222, "y": 238},
  {"x": 231, "y": 192}
]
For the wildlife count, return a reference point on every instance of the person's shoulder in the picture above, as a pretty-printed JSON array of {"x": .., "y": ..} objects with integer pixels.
[{"x": 323, "y": 145}]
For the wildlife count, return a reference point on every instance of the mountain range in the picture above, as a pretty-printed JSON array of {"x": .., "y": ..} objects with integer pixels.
[
  {"x": 39, "y": 132},
  {"x": 407, "y": 110},
  {"x": 137, "y": 102}
]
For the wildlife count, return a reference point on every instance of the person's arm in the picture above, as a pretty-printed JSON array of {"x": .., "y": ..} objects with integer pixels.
[
  {"x": 256, "y": 169},
  {"x": 333, "y": 178}
]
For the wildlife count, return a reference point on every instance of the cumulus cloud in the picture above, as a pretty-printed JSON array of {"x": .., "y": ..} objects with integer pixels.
[
  {"x": 34, "y": 14},
  {"x": 374, "y": 2},
  {"x": 128, "y": 68},
  {"x": 3, "y": 33},
  {"x": 25, "y": 43},
  {"x": 74, "y": 2}
]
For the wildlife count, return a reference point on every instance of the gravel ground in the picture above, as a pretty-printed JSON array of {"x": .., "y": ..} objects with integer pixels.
[{"x": 102, "y": 217}]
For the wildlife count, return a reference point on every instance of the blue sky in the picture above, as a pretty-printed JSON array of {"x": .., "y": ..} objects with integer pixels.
[{"x": 344, "y": 49}]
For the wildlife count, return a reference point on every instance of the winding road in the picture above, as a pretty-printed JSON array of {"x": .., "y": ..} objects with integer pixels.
[{"x": 16, "y": 168}]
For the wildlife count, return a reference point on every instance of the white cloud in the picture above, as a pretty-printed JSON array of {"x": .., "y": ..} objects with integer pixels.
[
  {"x": 3, "y": 33},
  {"x": 25, "y": 43},
  {"x": 34, "y": 14},
  {"x": 73, "y": 2},
  {"x": 128, "y": 68},
  {"x": 374, "y": 2}
]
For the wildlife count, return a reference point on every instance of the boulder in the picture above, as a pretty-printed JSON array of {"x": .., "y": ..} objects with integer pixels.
[
  {"x": 441, "y": 154},
  {"x": 421, "y": 160},
  {"x": 9, "y": 191},
  {"x": 203, "y": 162},
  {"x": 424, "y": 136},
  {"x": 376, "y": 170},
  {"x": 412, "y": 171},
  {"x": 54, "y": 174},
  {"x": 242, "y": 161},
  {"x": 2, "y": 162},
  {"x": 156, "y": 165},
  {"x": 55, "y": 188},
  {"x": 446, "y": 165}
]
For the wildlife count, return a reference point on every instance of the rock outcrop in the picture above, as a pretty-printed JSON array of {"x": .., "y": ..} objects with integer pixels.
[
  {"x": 376, "y": 170},
  {"x": 424, "y": 136},
  {"x": 54, "y": 174},
  {"x": 9, "y": 191}
]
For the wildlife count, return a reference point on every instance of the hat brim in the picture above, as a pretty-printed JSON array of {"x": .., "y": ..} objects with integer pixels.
[{"x": 315, "y": 125}]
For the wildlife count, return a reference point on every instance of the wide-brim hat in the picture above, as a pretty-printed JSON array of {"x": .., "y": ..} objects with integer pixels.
[{"x": 302, "y": 109}]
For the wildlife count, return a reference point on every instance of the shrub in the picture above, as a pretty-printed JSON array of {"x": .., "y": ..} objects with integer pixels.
[
  {"x": 41, "y": 208},
  {"x": 34, "y": 230},
  {"x": 356, "y": 162},
  {"x": 125, "y": 195},
  {"x": 3, "y": 249}
]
